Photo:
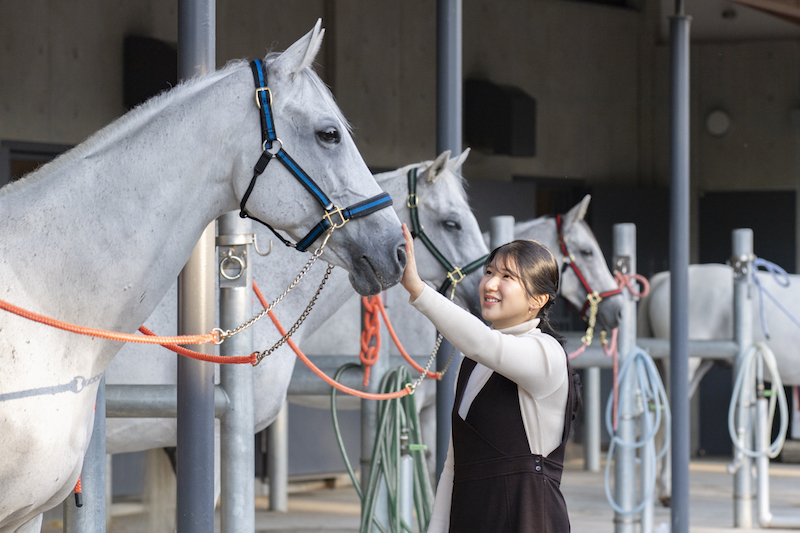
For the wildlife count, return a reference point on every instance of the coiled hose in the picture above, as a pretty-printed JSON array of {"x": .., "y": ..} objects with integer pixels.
[
  {"x": 653, "y": 398},
  {"x": 760, "y": 354},
  {"x": 397, "y": 421}
]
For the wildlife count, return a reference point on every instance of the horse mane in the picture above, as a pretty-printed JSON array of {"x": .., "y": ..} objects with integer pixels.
[{"x": 142, "y": 113}]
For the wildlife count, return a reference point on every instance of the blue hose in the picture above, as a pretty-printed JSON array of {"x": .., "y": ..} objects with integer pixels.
[{"x": 653, "y": 396}]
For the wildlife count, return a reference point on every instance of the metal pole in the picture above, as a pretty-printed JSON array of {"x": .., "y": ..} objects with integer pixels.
[
  {"x": 91, "y": 516},
  {"x": 237, "y": 446},
  {"x": 591, "y": 419},
  {"x": 679, "y": 269},
  {"x": 742, "y": 242},
  {"x": 448, "y": 76},
  {"x": 501, "y": 230},
  {"x": 196, "y": 306},
  {"x": 625, "y": 460},
  {"x": 278, "y": 461},
  {"x": 449, "y": 89}
]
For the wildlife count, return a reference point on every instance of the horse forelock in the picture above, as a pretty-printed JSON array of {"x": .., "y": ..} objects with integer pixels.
[
  {"x": 312, "y": 78},
  {"x": 131, "y": 120}
]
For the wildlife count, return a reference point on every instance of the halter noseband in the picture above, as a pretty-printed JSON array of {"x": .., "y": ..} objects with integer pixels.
[
  {"x": 334, "y": 217},
  {"x": 454, "y": 274},
  {"x": 592, "y": 297}
]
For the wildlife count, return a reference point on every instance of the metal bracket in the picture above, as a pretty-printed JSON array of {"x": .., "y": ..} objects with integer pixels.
[
  {"x": 622, "y": 263},
  {"x": 741, "y": 264},
  {"x": 233, "y": 266}
]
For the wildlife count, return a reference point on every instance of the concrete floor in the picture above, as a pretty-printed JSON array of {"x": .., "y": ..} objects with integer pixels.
[{"x": 336, "y": 510}]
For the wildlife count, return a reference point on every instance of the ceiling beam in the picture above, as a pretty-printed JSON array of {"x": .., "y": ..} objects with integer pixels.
[{"x": 788, "y": 10}]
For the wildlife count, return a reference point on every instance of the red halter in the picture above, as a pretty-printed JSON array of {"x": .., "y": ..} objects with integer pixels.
[{"x": 569, "y": 260}]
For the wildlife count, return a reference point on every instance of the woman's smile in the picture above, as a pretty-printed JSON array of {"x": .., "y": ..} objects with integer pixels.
[{"x": 504, "y": 301}]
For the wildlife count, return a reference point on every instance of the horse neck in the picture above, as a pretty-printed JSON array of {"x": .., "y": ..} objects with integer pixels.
[
  {"x": 395, "y": 182},
  {"x": 543, "y": 230},
  {"x": 109, "y": 226}
]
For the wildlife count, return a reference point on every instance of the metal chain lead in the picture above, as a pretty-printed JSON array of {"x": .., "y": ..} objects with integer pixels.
[
  {"x": 299, "y": 321},
  {"x": 230, "y": 333},
  {"x": 436, "y": 346}
]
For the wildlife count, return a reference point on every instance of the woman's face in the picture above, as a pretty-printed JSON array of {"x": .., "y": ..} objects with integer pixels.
[{"x": 504, "y": 301}]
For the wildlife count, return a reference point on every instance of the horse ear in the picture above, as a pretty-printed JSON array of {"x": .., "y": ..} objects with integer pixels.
[
  {"x": 456, "y": 162},
  {"x": 577, "y": 213},
  {"x": 301, "y": 54},
  {"x": 438, "y": 165}
]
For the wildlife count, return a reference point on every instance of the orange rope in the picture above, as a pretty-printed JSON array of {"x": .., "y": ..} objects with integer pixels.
[
  {"x": 414, "y": 365},
  {"x": 221, "y": 359},
  {"x": 111, "y": 335},
  {"x": 371, "y": 330},
  {"x": 330, "y": 381},
  {"x": 624, "y": 280},
  {"x": 78, "y": 493}
]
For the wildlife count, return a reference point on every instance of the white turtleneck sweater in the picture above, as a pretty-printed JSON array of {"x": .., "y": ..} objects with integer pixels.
[{"x": 533, "y": 360}]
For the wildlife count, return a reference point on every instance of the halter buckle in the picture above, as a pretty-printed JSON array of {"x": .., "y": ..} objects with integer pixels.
[
  {"x": 336, "y": 210},
  {"x": 413, "y": 201},
  {"x": 269, "y": 96},
  {"x": 456, "y": 272}
]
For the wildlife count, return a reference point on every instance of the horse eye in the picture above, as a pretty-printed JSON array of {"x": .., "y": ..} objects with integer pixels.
[
  {"x": 452, "y": 225},
  {"x": 330, "y": 135},
  {"x": 587, "y": 253}
]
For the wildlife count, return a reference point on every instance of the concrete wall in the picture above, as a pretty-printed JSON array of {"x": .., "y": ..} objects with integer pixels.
[{"x": 599, "y": 75}]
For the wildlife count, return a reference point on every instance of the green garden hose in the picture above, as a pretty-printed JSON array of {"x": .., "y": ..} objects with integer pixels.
[{"x": 398, "y": 427}]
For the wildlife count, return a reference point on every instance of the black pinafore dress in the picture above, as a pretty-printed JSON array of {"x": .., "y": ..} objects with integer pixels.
[{"x": 498, "y": 485}]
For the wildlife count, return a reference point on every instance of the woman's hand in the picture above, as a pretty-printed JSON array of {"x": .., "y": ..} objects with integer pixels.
[{"x": 411, "y": 280}]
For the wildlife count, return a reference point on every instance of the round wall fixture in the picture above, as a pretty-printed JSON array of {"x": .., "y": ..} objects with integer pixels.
[{"x": 718, "y": 123}]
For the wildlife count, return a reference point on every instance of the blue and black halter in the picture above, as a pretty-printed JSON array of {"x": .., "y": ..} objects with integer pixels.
[
  {"x": 334, "y": 216},
  {"x": 454, "y": 274}
]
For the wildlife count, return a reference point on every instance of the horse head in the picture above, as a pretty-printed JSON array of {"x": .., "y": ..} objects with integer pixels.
[
  {"x": 309, "y": 126},
  {"x": 579, "y": 250},
  {"x": 449, "y": 241}
]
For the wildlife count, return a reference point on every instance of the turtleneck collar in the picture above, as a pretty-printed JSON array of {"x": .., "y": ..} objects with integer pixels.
[{"x": 519, "y": 329}]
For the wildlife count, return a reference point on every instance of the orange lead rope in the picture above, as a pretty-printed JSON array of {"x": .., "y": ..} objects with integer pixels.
[
  {"x": 111, "y": 335},
  {"x": 372, "y": 330},
  {"x": 330, "y": 381}
]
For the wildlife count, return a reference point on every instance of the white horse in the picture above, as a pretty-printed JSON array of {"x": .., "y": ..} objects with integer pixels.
[
  {"x": 98, "y": 236},
  {"x": 711, "y": 318},
  {"x": 447, "y": 219},
  {"x": 418, "y": 334}
]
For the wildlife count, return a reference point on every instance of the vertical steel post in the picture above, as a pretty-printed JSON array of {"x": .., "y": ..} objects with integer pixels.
[
  {"x": 278, "y": 461},
  {"x": 91, "y": 516},
  {"x": 237, "y": 446},
  {"x": 196, "y": 306},
  {"x": 679, "y": 268},
  {"x": 449, "y": 90},
  {"x": 742, "y": 242},
  {"x": 591, "y": 419},
  {"x": 501, "y": 231},
  {"x": 625, "y": 459}
]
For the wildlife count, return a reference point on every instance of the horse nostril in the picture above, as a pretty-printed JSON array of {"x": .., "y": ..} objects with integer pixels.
[{"x": 401, "y": 255}]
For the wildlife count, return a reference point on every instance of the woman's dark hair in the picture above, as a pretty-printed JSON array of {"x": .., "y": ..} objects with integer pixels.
[{"x": 536, "y": 267}]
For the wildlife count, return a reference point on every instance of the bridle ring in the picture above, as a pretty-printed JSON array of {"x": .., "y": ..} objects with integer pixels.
[{"x": 269, "y": 149}]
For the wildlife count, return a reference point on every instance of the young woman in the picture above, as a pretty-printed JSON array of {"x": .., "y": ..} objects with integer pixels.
[{"x": 514, "y": 397}]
